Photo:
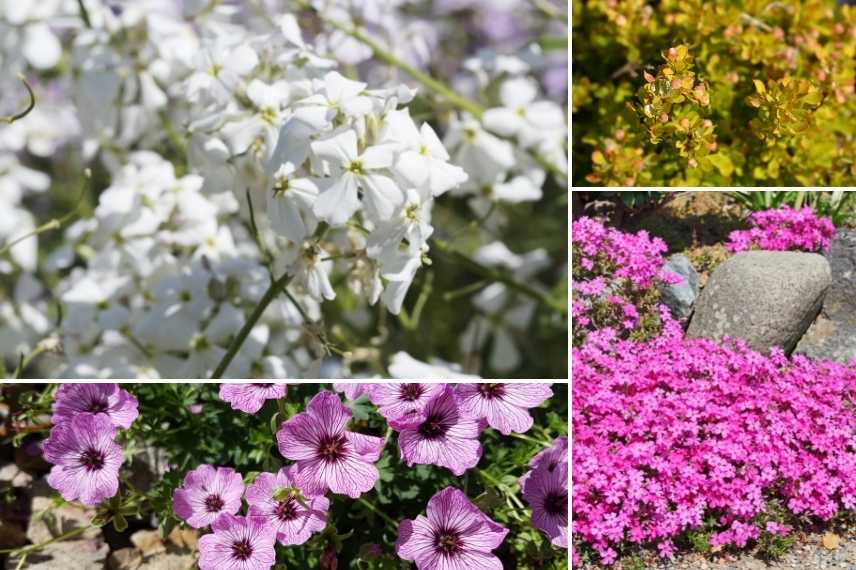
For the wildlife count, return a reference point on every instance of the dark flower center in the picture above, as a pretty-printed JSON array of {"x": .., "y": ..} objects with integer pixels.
[
  {"x": 214, "y": 503},
  {"x": 286, "y": 510},
  {"x": 448, "y": 541},
  {"x": 491, "y": 391},
  {"x": 260, "y": 385},
  {"x": 556, "y": 503},
  {"x": 242, "y": 549},
  {"x": 435, "y": 426},
  {"x": 331, "y": 448},
  {"x": 92, "y": 459},
  {"x": 411, "y": 392},
  {"x": 97, "y": 406}
]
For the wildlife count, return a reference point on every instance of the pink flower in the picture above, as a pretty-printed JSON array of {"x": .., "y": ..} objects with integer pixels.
[
  {"x": 328, "y": 457},
  {"x": 250, "y": 398},
  {"x": 207, "y": 494},
  {"x": 504, "y": 406},
  {"x": 546, "y": 491},
  {"x": 455, "y": 535},
  {"x": 86, "y": 459},
  {"x": 277, "y": 498},
  {"x": 238, "y": 543},
  {"x": 403, "y": 400},
  {"x": 353, "y": 391},
  {"x": 446, "y": 437},
  {"x": 784, "y": 229},
  {"x": 107, "y": 399}
]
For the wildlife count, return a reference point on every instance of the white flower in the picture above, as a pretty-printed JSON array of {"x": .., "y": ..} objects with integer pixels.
[
  {"x": 521, "y": 116},
  {"x": 289, "y": 204},
  {"x": 424, "y": 161},
  {"x": 480, "y": 153},
  {"x": 353, "y": 171},
  {"x": 403, "y": 366}
]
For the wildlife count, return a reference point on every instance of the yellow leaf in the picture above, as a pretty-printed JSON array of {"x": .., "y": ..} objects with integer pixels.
[
  {"x": 830, "y": 541},
  {"x": 759, "y": 86},
  {"x": 597, "y": 157}
]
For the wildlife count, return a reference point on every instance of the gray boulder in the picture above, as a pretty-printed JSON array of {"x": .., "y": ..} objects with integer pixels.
[
  {"x": 680, "y": 297},
  {"x": 833, "y": 334},
  {"x": 767, "y": 298}
]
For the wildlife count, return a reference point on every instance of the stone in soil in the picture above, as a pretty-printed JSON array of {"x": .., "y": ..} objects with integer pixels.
[
  {"x": 76, "y": 554},
  {"x": 48, "y": 521},
  {"x": 680, "y": 297},
  {"x": 767, "y": 298},
  {"x": 833, "y": 335}
]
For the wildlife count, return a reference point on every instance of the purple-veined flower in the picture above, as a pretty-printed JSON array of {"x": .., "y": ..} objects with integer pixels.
[
  {"x": 276, "y": 497},
  {"x": 546, "y": 491},
  {"x": 328, "y": 456},
  {"x": 403, "y": 401},
  {"x": 504, "y": 406},
  {"x": 238, "y": 543},
  {"x": 445, "y": 436},
  {"x": 353, "y": 391},
  {"x": 86, "y": 459},
  {"x": 108, "y": 399},
  {"x": 455, "y": 535},
  {"x": 553, "y": 455},
  {"x": 207, "y": 494},
  {"x": 250, "y": 398}
]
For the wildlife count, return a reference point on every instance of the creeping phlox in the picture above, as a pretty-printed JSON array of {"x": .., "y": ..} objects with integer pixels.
[
  {"x": 784, "y": 229},
  {"x": 614, "y": 274},
  {"x": 678, "y": 435}
]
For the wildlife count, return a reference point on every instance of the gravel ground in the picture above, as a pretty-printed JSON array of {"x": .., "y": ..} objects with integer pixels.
[{"x": 808, "y": 554}]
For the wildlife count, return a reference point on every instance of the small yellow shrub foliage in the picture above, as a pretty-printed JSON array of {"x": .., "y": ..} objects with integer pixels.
[{"x": 691, "y": 92}]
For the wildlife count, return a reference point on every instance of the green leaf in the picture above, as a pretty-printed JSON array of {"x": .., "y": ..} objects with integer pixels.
[{"x": 722, "y": 163}]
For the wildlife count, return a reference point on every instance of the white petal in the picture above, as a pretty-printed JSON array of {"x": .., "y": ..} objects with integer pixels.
[{"x": 338, "y": 203}]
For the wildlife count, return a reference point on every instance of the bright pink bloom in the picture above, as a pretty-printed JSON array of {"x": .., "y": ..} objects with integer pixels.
[
  {"x": 250, "y": 398},
  {"x": 328, "y": 457},
  {"x": 108, "y": 399},
  {"x": 207, "y": 494},
  {"x": 784, "y": 229},
  {"x": 238, "y": 543},
  {"x": 446, "y": 437},
  {"x": 504, "y": 406},
  {"x": 275, "y": 498},
  {"x": 404, "y": 400},
  {"x": 85, "y": 457},
  {"x": 455, "y": 535}
]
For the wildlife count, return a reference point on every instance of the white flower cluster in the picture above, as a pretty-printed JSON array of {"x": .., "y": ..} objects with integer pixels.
[{"x": 232, "y": 153}]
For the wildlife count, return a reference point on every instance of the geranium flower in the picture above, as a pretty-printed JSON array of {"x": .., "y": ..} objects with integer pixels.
[
  {"x": 454, "y": 535},
  {"x": 207, "y": 494},
  {"x": 446, "y": 437},
  {"x": 275, "y": 497},
  {"x": 328, "y": 457},
  {"x": 250, "y": 398},
  {"x": 85, "y": 457},
  {"x": 397, "y": 401},
  {"x": 238, "y": 543},
  {"x": 553, "y": 455},
  {"x": 546, "y": 491},
  {"x": 353, "y": 391},
  {"x": 108, "y": 399},
  {"x": 504, "y": 406}
]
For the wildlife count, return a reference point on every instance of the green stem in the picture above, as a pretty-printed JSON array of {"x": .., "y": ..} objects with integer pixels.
[
  {"x": 9, "y": 119},
  {"x": 389, "y": 520},
  {"x": 84, "y": 14},
  {"x": 24, "y": 550},
  {"x": 502, "y": 487},
  {"x": 529, "y": 439},
  {"x": 242, "y": 335},
  {"x": 500, "y": 276}
]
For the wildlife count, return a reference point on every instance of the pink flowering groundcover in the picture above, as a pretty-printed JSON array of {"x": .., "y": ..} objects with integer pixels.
[
  {"x": 374, "y": 476},
  {"x": 691, "y": 444}
]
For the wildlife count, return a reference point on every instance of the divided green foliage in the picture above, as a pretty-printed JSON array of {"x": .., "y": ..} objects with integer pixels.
[{"x": 694, "y": 92}]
